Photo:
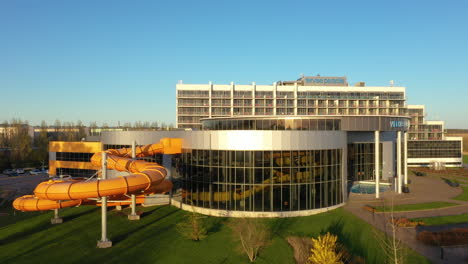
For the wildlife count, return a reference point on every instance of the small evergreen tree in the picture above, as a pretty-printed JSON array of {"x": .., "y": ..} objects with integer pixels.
[{"x": 192, "y": 227}]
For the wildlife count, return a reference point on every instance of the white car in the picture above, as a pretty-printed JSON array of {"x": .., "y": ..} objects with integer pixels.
[
  {"x": 20, "y": 171},
  {"x": 36, "y": 172}
]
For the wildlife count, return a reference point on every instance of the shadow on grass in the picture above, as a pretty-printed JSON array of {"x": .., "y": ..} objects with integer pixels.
[
  {"x": 215, "y": 225},
  {"x": 281, "y": 226},
  {"x": 43, "y": 225},
  {"x": 350, "y": 241},
  {"x": 76, "y": 215},
  {"x": 121, "y": 237}
]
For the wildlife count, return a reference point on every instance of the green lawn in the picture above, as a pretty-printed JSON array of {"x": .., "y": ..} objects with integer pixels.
[
  {"x": 465, "y": 159},
  {"x": 30, "y": 238},
  {"x": 444, "y": 220},
  {"x": 414, "y": 207},
  {"x": 463, "y": 196}
]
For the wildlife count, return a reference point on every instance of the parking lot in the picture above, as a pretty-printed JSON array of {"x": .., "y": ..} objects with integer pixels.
[{"x": 12, "y": 187}]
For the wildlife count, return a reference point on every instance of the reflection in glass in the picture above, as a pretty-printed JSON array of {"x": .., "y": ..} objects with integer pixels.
[{"x": 261, "y": 180}]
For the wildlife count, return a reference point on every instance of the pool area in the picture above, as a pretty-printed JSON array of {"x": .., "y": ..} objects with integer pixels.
[{"x": 366, "y": 188}]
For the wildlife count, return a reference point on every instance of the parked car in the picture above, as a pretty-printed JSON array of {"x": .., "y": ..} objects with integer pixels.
[
  {"x": 8, "y": 171},
  {"x": 20, "y": 171},
  {"x": 13, "y": 174},
  {"x": 36, "y": 172}
]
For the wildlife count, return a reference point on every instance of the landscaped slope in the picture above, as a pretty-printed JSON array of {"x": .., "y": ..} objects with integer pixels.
[{"x": 154, "y": 238}]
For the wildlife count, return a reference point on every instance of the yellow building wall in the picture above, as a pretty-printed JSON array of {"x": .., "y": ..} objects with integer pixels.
[{"x": 77, "y": 147}]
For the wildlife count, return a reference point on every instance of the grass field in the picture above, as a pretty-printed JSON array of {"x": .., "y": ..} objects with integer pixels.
[
  {"x": 414, "y": 207},
  {"x": 30, "y": 238},
  {"x": 465, "y": 159},
  {"x": 463, "y": 196},
  {"x": 443, "y": 220}
]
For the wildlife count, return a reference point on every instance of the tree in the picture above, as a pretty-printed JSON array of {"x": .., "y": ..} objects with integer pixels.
[
  {"x": 192, "y": 227},
  {"x": 394, "y": 250},
  {"x": 252, "y": 234},
  {"x": 325, "y": 250},
  {"x": 42, "y": 144},
  {"x": 92, "y": 129},
  {"x": 81, "y": 133},
  {"x": 20, "y": 142},
  {"x": 58, "y": 130}
]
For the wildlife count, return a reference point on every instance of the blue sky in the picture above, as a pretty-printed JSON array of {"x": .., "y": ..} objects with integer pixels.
[{"x": 110, "y": 61}]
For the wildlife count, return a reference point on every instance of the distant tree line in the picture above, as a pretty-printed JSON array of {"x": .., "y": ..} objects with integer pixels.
[{"x": 22, "y": 145}]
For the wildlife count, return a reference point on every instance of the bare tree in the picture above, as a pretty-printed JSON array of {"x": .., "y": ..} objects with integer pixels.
[
  {"x": 81, "y": 132},
  {"x": 252, "y": 235},
  {"x": 42, "y": 144},
  {"x": 20, "y": 142},
  {"x": 394, "y": 250}
]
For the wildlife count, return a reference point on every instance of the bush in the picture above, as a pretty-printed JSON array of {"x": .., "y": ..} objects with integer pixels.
[
  {"x": 451, "y": 183},
  {"x": 369, "y": 208},
  {"x": 325, "y": 250},
  {"x": 419, "y": 173},
  {"x": 192, "y": 227},
  {"x": 453, "y": 237},
  {"x": 405, "y": 222}
]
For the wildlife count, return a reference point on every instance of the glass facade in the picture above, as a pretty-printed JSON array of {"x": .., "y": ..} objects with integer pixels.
[
  {"x": 260, "y": 181},
  {"x": 156, "y": 158},
  {"x": 74, "y": 156},
  {"x": 361, "y": 161},
  {"x": 76, "y": 172},
  {"x": 434, "y": 149},
  {"x": 272, "y": 124}
]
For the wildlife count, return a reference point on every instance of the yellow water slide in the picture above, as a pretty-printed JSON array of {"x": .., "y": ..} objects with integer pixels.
[{"x": 145, "y": 178}]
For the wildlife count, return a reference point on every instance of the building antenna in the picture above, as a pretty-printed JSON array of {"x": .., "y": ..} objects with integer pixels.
[{"x": 392, "y": 82}]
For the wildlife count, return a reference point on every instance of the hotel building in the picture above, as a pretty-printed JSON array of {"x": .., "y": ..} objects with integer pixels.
[{"x": 288, "y": 149}]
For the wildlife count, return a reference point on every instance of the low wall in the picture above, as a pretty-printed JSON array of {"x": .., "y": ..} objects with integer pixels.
[{"x": 226, "y": 213}]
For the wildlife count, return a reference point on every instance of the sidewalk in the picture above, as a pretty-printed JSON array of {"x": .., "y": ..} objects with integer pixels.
[{"x": 423, "y": 190}]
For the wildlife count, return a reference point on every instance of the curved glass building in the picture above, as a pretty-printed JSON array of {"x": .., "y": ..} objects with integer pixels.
[{"x": 273, "y": 166}]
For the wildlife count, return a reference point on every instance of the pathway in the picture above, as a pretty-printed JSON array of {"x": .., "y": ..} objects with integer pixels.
[{"x": 423, "y": 190}]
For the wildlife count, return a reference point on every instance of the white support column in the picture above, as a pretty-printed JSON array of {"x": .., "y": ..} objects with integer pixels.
[
  {"x": 133, "y": 215},
  {"x": 377, "y": 164},
  {"x": 275, "y": 91},
  {"x": 104, "y": 242},
  {"x": 57, "y": 219},
  {"x": 253, "y": 100},
  {"x": 210, "y": 91},
  {"x": 399, "y": 175},
  {"x": 295, "y": 98},
  {"x": 405, "y": 155},
  {"x": 231, "y": 107}
]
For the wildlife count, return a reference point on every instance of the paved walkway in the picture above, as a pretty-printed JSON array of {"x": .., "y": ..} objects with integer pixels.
[{"x": 423, "y": 190}]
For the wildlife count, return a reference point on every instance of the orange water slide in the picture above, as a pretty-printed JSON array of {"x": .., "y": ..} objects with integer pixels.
[{"x": 145, "y": 178}]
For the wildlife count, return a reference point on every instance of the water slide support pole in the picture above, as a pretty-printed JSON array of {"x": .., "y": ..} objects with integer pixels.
[
  {"x": 104, "y": 242},
  {"x": 133, "y": 215},
  {"x": 57, "y": 219}
]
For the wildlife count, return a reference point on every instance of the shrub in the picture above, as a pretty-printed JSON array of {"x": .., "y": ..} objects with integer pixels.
[
  {"x": 453, "y": 237},
  {"x": 419, "y": 173},
  {"x": 192, "y": 227},
  {"x": 405, "y": 222},
  {"x": 369, "y": 208},
  {"x": 325, "y": 250}
]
